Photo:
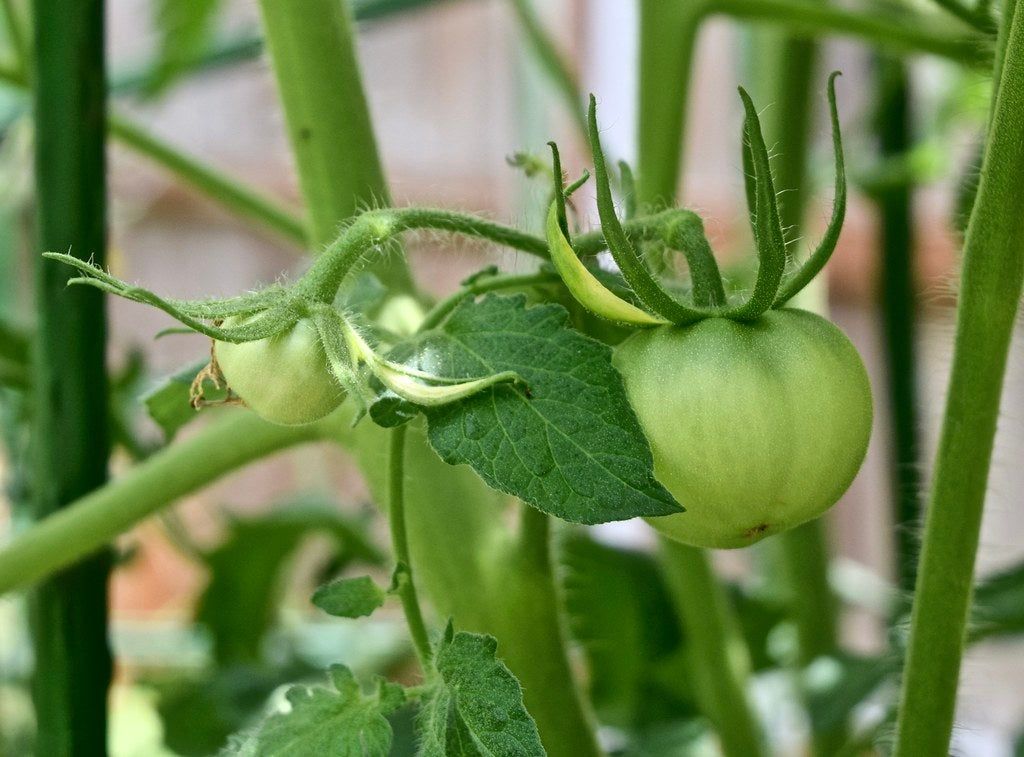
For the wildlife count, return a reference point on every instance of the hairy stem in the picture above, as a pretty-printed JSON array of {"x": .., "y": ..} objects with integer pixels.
[
  {"x": 70, "y": 432},
  {"x": 400, "y": 546},
  {"x": 719, "y": 657},
  {"x": 314, "y": 59},
  {"x": 991, "y": 283}
]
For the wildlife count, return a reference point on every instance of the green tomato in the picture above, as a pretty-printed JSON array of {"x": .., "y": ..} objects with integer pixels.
[
  {"x": 285, "y": 378},
  {"x": 755, "y": 427}
]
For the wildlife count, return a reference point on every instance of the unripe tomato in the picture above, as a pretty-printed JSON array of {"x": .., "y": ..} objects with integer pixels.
[
  {"x": 285, "y": 378},
  {"x": 755, "y": 427}
]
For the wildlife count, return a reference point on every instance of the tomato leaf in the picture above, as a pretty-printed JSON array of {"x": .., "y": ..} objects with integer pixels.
[
  {"x": 998, "y": 608},
  {"x": 168, "y": 402},
  {"x": 349, "y": 597},
  {"x": 571, "y": 446},
  {"x": 239, "y": 604},
  {"x": 340, "y": 721},
  {"x": 184, "y": 28},
  {"x": 477, "y": 706}
]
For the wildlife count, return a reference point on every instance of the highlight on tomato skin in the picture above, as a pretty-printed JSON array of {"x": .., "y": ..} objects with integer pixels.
[
  {"x": 755, "y": 427},
  {"x": 285, "y": 379}
]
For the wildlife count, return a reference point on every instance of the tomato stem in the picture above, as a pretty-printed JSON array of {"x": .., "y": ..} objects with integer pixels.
[
  {"x": 991, "y": 284},
  {"x": 400, "y": 545},
  {"x": 718, "y": 654}
]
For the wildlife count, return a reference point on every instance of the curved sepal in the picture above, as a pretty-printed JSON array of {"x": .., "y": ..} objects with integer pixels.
[
  {"x": 813, "y": 265},
  {"x": 585, "y": 287}
]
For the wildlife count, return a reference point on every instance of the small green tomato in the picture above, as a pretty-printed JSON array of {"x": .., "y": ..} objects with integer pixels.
[
  {"x": 285, "y": 378},
  {"x": 755, "y": 427}
]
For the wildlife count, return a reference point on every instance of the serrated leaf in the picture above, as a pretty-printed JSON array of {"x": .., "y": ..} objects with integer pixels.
[
  {"x": 477, "y": 706},
  {"x": 168, "y": 402},
  {"x": 349, "y": 597},
  {"x": 340, "y": 721},
  {"x": 573, "y": 448},
  {"x": 240, "y": 602}
]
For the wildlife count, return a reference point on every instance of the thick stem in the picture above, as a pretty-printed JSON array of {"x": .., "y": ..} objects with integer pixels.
[
  {"x": 314, "y": 59},
  {"x": 898, "y": 306},
  {"x": 993, "y": 273},
  {"x": 718, "y": 656},
  {"x": 93, "y": 520},
  {"x": 668, "y": 36},
  {"x": 400, "y": 547},
  {"x": 70, "y": 431}
]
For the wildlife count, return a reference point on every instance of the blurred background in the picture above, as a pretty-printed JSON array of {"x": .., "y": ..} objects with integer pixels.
[{"x": 453, "y": 94}]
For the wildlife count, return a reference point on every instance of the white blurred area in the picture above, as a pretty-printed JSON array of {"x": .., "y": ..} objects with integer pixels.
[{"x": 452, "y": 95}]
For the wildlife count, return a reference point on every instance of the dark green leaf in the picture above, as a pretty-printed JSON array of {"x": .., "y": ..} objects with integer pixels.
[
  {"x": 349, "y": 597},
  {"x": 340, "y": 721},
  {"x": 477, "y": 706},
  {"x": 620, "y": 611},
  {"x": 239, "y": 604},
  {"x": 835, "y": 686},
  {"x": 998, "y": 605},
  {"x": 168, "y": 403},
  {"x": 572, "y": 448}
]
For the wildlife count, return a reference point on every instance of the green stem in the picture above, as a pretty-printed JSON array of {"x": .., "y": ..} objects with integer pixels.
[
  {"x": 552, "y": 62},
  {"x": 436, "y": 315},
  {"x": 93, "y": 520},
  {"x": 234, "y": 196},
  {"x": 898, "y": 306},
  {"x": 400, "y": 546},
  {"x": 718, "y": 655},
  {"x": 668, "y": 35},
  {"x": 314, "y": 60},
  {"x": 69, "y": 426},
  {"x": 992, "y": 277}
]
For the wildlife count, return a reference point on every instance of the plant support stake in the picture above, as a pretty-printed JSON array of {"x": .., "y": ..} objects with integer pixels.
[{"x": 69, "y": 611}]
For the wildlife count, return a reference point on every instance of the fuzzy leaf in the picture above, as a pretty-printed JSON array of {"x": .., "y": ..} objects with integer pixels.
[
  {"x": 340, "y": 721},
  {"x": 572, "y": 448},
  {"x": 477, "y": 707},
  {"x": 168, "y": 402},
  {"x": 349, "y": 597}
]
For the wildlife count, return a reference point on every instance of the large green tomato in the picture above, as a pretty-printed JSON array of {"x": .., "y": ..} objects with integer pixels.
[
  {"x": 284, "y": 378},
  {"x": 755, "y": 427}
]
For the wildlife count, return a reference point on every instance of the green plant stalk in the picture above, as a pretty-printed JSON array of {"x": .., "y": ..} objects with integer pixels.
[
  {"x": 314, "y": 60},
  {"x": 551, "y": 61},
  {"x": 992, "y": 278},
  {"x": 95, "y": 519},
  {"x": 898, "y": 306},
  {"x": 234, "y": 196},
  {"x": 68, "y": 613},
  {"x": 668, "y": 36},
  {"x": 719, "y": 659},
  {"x": 400, "y": 546}
]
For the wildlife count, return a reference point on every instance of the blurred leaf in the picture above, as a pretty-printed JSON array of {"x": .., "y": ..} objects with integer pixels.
[
  {"x": 340, "y": 721},
  {"x": 349, "y": 597},
  {"x": 184, "y": 29},
  {"x": 169, "y": 401},
  {"x": 759, "y": 614},
  {"x": 200, "y": 714},
  {"x": 998, "y": 608},
  {"x": 476, "y": 709},
  {"x": 834, "y": 686},
  {"x": 620, "y": 611},
  {"x": 15, "y": 370},
  {"x": 239, "y": 604}
]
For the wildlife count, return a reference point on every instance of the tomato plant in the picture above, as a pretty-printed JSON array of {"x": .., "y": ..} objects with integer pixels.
[{"x": 615, "y": 372}]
